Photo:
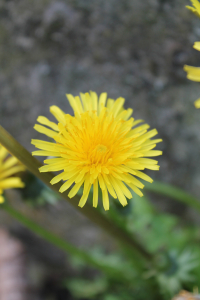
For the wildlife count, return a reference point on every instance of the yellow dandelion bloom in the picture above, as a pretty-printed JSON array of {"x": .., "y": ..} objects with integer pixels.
[
  {"x": 196, "y": 7},
  {"x": 8, "y": 167},
  {"x": 99, "y": 146},
  {"x": 193, "y": 73}
]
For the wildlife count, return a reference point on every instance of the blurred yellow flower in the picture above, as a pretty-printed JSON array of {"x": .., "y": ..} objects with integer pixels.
[
  {"x": 98, "y": 146},
  {"x": 196, "y": 46},
  {"x": 8, "y": 167},
  {"x": 196, "y": 7},
  {"x": 193, "y": 73},
  {"x": 197, "y": 103}
]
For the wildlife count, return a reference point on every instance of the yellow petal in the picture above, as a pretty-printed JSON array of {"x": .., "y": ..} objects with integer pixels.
[
  {"x": 66, "y": 185},
  {"x": 110, "y": 103},
  {"x": 75, "y": 103},
  {"x": 117, "y": 106},
  {"x": 95, "y": 193},
  {"x": 75, "y": 189},
  {"x": 102, "y": 102},
  {"x": 115, "y": 183},
  {"x": 193, "y": 73},
  {"x": 10, "y": 162},
  {"x": 135, "y": 189},
  {"x": 11, "y": 183},
  {"x": 197, "y": 103},
  {"x": 153, "y": 153},
  {"x": 58, "y": 114},
  {"x": 1, "y": 199},
  {"x": 3, "y": 152},
  {"x": 143, "y": 176},
  {"x": 45, "y": 130},
  {"x": 11, "y": 171},
  {"x": 94, "y": 100},
  {"x": 45, "y": 121},
  {"x": 85, "y": 196},
  {"x": 197, "y": 46},
  {"x": 105, "y": 199}
]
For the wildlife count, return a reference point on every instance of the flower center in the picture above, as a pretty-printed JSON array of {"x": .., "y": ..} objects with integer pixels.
[
  {"x": 101, "y": 149},
  {"x": 98, "y": 154}
]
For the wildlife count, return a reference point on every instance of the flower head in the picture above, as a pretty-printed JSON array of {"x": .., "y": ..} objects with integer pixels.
[
  {"x": 196, "y": 7},
  {"x": 8, "y": 167},
  {"x": 193, "y": 73},
  {"x": 98, "y": 146}
]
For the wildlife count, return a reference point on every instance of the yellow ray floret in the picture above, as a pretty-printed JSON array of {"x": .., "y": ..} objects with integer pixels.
[
  {"x": 9, "y": 166},
  {"x": 196, "y": 7},
  {"x": 97, "y": 147}
]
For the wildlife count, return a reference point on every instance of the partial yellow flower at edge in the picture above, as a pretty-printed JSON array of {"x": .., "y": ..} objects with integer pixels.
[
  {"x": 100, "y": 146},
  {"x": 196, "y": 46},
  {"x": 193, "y": 73},
  {"x": 9, "y": 166},
  {"x": 197, "y": 103},
  {"x": 196, "y": 8}
]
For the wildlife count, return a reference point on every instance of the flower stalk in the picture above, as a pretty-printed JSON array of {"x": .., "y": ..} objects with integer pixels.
[{"x": 32, "y": 164}]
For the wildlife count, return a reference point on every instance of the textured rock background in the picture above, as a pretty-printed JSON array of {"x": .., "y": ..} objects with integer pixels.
[
  {"x": 130, "y": 48},
  {"x": 135, "y": 49}
]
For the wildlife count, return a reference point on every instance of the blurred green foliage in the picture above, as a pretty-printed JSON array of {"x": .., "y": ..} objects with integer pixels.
[
  {"x": 174, "y": 244},
  {"x": 36, "y": 193}
]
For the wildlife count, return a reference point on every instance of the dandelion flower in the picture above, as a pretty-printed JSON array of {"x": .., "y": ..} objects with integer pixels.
[
  {"x": 196, "y": 7},
  {"x": 8, "y": 167},
  {"x": 99, "y": 146}
]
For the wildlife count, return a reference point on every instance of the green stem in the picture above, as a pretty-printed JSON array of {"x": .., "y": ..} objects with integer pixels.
[
  {"x": 173, "y": 192},
  {"x": 62, "y": 244},
  {"x": 33, "y": 164}
]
